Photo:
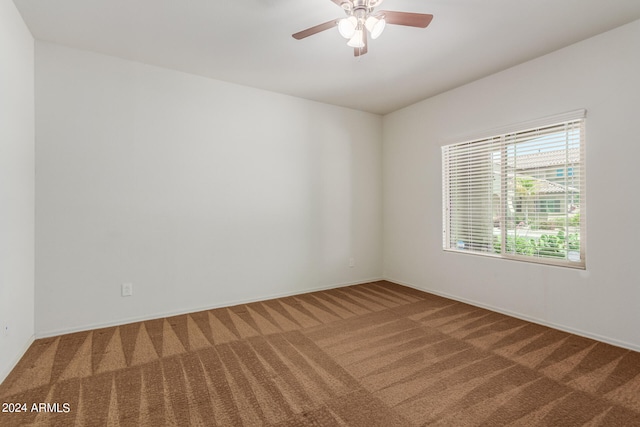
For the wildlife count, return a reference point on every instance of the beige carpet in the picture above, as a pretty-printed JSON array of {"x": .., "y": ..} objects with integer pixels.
[{"x": 377, "y": 354}]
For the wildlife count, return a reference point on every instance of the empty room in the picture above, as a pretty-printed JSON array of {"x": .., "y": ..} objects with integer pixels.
[{"x": 319, "y": 213}]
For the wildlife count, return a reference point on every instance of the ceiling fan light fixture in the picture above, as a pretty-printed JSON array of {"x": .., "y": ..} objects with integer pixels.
[
  {"x": 357, "y": 40},
  {"x": 375, "y": 26},
  {"x": 361, "y": 22},
  {"x": 347, "y": 27}
]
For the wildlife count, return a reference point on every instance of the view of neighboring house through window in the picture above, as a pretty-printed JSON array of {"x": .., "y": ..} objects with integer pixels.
[{"x": 519, "y": 194}]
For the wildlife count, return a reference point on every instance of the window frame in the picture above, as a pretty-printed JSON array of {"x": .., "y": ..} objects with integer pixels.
[{"x": 501, "y": 134}]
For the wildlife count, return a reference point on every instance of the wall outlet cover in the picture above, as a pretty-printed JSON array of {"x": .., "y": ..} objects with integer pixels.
[{"x": 127, "y": 289}]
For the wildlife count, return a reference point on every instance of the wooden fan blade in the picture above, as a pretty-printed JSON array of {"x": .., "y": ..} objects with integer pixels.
[
  {"x": 420, "y": 20},
  {"x": 359, "y": 51},
  {"x": 314, "y": 30}
]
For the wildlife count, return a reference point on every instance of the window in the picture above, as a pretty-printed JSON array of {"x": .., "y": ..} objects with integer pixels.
[
  {"x": 560, "y": 172},
  {"x": 519, "y": 194}
]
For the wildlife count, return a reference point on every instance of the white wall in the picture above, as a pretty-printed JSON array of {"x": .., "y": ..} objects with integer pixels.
[
  {"x": 16, "y": 187},
  {"x": 599, "y": 74},
  {"x": 199, "y": 192}
]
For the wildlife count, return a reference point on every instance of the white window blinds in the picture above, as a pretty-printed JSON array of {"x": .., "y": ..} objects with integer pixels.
[{"x": 519, "y": 194}]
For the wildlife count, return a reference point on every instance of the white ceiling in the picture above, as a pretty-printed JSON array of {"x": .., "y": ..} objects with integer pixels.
[{"x": 249, "y": 41}]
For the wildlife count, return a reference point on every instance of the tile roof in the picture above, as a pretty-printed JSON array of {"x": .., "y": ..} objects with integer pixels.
[
  {"x": 545, "y": 159},
  {"x": 548, "y": 187}
]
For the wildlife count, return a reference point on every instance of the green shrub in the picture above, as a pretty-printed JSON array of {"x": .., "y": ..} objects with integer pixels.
[
  {"x": 548, "y": 245},
  {"x": 574, "y": 221}
]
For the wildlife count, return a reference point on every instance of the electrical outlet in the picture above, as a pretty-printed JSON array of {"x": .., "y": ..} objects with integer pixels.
[
  {"x": 352, "y": 262},
  {"x": 5, "y": 330},
  {"x": 127, "y": 289}
]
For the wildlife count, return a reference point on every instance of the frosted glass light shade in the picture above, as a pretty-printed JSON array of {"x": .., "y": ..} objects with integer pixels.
[
  {"x": 347, "y": 27},
  {"x": 356, "y": 40},
  {"x": 375, "y": 26}
]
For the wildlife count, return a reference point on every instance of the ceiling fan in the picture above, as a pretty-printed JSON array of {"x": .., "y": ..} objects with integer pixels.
[{"x": 361, "y": 18}]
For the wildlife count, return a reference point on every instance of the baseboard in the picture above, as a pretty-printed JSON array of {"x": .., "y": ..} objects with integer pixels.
[
  {"x": 56, "y": 332},
  {"x": 597, "y": 337},
  {"x": 5, "y": 373}
]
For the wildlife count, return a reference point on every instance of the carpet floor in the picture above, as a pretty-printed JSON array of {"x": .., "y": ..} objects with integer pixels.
[{"x": 376, "y": 354}]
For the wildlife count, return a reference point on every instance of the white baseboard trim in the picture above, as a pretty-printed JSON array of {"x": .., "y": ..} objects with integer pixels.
[
  {"x": 597, "y": 337},
  {"x": 5, "y": 373},
  {"x": 56, "y": 332}
]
